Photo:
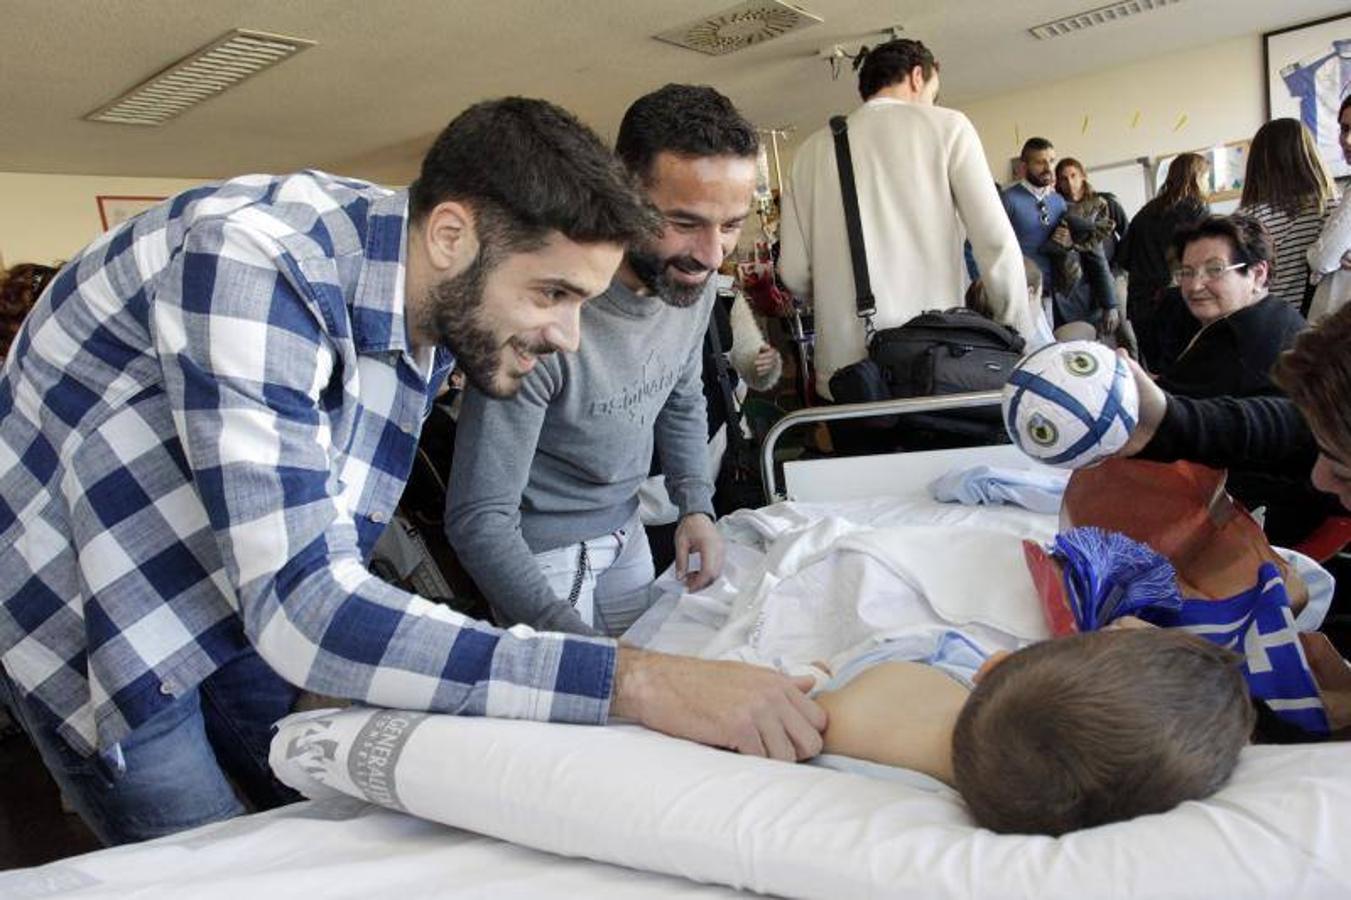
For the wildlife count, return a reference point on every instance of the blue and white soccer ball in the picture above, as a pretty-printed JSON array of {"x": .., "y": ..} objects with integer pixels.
[{"x": 1071, "y": 404}]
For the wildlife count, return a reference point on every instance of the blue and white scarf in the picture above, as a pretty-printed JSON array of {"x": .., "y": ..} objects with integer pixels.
[{"x": 1108, "y": 575}]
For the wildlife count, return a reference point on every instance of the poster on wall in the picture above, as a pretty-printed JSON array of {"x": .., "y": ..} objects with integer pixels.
[
  {"x": 113, "y": 211},
  {"x": 1308, "y": 74},
  {"x": 1227, "y": 165}
]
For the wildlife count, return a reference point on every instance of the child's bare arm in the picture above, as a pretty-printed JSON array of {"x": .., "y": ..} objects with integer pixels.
[{"x": 896, "y": 713}]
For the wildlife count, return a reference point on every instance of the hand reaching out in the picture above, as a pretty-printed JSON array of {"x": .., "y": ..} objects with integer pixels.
[
  {"x": 696, "y": 533},
  {"x": 1153, "y": 404}
]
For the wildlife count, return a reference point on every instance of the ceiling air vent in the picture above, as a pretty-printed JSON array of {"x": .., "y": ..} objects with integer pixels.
[
  {"x": 739, "y": 27},
  {"x": 218, "y": 66},
  {"x": 1103, "y": 15}
]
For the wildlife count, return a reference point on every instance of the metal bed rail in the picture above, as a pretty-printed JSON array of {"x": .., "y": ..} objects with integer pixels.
[{"x": 813, "y": 414}]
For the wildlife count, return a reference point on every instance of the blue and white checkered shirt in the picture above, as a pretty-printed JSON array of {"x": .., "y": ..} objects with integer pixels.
[{"x": 204, "y": 425}]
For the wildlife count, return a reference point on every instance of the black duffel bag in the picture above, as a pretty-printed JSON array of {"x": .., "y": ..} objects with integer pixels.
[{"x": 949, "y": 351}]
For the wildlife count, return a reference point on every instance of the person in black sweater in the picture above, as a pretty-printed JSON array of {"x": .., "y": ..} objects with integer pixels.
[
  {"x": 1224, "y": 267},
  {"x": 1239, "y": 330},
  {"x": 1306, "y": 431}
]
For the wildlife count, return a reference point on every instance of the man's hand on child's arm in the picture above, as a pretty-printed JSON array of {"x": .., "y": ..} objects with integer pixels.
[
  {"x": 1333, "y": 676},
  {"x": 746, "y": 708}
]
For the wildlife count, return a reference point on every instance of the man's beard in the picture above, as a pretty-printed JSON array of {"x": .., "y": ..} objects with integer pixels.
[
  {"x": 1043, "y": 179},
  {"x": 651, "y": 271},
  {"x": 455, "y": 308}
]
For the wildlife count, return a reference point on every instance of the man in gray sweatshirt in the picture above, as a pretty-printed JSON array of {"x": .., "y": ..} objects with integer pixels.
[{"x": 543, "y": 501}]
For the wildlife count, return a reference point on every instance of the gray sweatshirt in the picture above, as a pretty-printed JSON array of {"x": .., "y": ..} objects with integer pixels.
[{"x": 561, "y": 461}]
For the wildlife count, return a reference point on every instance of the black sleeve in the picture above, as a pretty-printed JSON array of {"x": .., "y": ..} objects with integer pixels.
[{"x": 1233, "y": 432}]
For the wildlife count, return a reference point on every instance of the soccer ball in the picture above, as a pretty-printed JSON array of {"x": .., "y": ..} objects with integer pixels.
[{"x": 1070, "y": 404}]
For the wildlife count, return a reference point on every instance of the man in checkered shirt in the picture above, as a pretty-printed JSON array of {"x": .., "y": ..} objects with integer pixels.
[{"x": 209, "y": 418}]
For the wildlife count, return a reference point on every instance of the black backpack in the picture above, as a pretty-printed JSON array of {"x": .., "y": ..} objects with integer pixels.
[{"x": 946, "y": 351}]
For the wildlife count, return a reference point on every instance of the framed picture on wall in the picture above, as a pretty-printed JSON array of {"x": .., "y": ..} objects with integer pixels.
[
  {"x": 1308, "y": 73},
  {"x": 1228, "y": 162},
  {"x": 113, "y": 210}
]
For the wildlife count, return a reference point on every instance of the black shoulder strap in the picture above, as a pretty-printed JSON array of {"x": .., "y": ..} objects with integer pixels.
[
  {"x": 735, "y": 439},
  {"x": 858, "y": 253}
]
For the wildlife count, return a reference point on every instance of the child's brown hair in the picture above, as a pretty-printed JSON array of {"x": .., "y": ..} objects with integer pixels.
[{"x": 1100, "y": 727}]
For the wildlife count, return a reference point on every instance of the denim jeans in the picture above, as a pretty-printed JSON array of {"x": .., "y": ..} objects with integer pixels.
[
  {"x": 202, "y": 759},
  {"x": 607, "y": 578}
]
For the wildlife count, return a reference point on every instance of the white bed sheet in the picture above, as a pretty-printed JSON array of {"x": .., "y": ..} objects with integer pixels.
[
  {"x": 685, "y": 623},
  {"x": 334, "y": 849}
]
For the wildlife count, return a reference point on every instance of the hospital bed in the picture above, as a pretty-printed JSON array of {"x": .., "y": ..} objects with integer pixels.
[{"x": 531, "y": 810}]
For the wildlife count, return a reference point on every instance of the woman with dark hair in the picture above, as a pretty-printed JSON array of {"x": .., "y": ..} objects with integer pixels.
[
  {"x": 1144, "y": 252},
  {"x": 1287, "y": 188},
  {"x": 1077, "y": 251},
  {"x": 20, "y": 288},
  {"x": 1330, "y": 256},
  {"x": 1224, "y": 268},
  {"x": 1223, "y": 273}
]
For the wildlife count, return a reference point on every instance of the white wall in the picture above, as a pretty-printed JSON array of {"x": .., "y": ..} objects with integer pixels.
[
  {"x": 49, "y": 217},
  {"x": 1219, "y": 89},
  {"x": 1134, "y": 110}
]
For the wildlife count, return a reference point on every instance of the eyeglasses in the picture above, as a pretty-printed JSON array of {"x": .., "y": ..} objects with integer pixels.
[
  {"x": 1208, "y": 272},
  {"x": 1045, "y": 213}
]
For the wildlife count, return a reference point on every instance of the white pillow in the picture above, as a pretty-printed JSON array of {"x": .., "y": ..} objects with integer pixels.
[{"x": 629, "y": 796}]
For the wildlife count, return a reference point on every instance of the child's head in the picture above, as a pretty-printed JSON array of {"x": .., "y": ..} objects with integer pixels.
[
  {"x": 978, "y": 297},
  {"x": 1099, "y": 727}
]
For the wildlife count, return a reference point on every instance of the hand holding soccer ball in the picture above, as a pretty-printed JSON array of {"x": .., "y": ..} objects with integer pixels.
[{"x": 1071, "y": 404}]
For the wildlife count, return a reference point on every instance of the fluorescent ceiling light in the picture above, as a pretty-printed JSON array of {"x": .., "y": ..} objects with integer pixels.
[
  {"x": 201, "y": 75},
  {"x": 1103, "y": 15}
]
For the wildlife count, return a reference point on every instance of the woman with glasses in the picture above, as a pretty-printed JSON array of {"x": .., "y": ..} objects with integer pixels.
[
  {"x": 1240, "y": 329},
  {"x": 1287, "y": 188},
  {"x": 1144, "y": 251},
  {"x": 1224, "y": 269}
]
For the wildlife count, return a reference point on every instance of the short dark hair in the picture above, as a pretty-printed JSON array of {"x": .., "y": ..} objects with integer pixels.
[
  {"x": 1249, "y": 240},
  {"x": 1034, "y": 145},
  {"x": 527, "y": 168},
  {"x": 886, "y": 64},
  {"x": 1100, "y": 727},
  {"x": 1316, "y": 374},
  {"x": 1346, "y": 101},
  {"x": 684, "y": 119}
]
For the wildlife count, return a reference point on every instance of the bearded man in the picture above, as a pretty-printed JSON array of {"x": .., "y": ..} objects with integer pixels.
[
  {"x": 209, "y": 417},
  {"x": 543, "y": 500}
]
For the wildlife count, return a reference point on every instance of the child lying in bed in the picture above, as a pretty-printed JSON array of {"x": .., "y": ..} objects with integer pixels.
[{"x": 1061, "y": 735}]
